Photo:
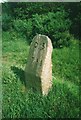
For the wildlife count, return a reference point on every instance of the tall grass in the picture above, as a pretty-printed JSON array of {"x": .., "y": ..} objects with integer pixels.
[{"x": 62, "y": 100}]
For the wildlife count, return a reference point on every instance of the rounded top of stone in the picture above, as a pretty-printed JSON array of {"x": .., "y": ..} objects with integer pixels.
[{"x": 44, "y": 36}]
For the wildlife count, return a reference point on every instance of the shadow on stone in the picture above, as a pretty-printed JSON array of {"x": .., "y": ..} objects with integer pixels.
[{"x": 19, "y": 72}]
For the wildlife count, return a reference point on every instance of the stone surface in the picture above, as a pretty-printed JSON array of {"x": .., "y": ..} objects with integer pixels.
[{"x": 38, "y": 71}]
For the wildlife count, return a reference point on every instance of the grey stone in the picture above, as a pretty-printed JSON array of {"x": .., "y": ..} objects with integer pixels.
[{"x": 38, "y": 71}]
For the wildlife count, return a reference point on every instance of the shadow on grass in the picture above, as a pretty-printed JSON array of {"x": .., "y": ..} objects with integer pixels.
[{"x": 19, "y": 73}]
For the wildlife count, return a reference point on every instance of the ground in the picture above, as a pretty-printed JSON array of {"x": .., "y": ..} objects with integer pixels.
[{"x": 62, "y": 100}]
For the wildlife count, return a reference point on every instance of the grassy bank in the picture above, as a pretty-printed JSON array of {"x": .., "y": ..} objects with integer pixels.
[{"x": 62, "y": 100}]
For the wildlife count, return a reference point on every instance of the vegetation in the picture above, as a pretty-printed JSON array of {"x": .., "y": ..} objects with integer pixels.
[
  {"x": 21, "y": 22},
  {"x": 56, "y": 20}
]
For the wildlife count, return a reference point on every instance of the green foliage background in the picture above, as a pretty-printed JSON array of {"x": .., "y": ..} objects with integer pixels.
[{"x": 57, "y": 20}]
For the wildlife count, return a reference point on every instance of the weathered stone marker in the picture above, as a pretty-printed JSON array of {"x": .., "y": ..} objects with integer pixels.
[{"x": 38, "y": 71}]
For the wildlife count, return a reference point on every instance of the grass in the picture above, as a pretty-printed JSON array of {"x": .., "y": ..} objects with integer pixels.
[
  {"x": 66, "y": 63},
  {"x": 62, "y": 100}
]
